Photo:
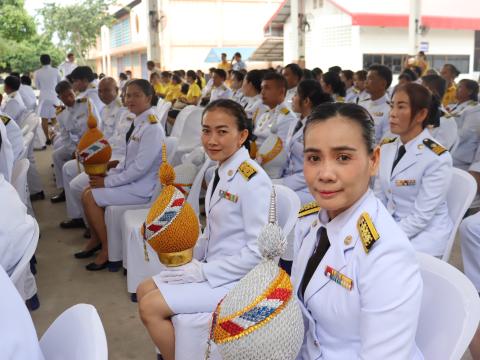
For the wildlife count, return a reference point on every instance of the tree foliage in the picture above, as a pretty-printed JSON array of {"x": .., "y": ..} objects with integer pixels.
[
  {"x": 76, "y": 26},
  {"x": 17, "y": 24}
]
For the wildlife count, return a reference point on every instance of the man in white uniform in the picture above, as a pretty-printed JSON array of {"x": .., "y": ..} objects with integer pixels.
[
  {"x": 27, "y": 93},
  {"x": 293, "y": 74},
  {"x": 379, "y": 79},
  {"x": 46, "y": 78},
  {"x": 83, "y": 83},
  {"x": 14, "y": 135},
  {"x": 13, "y": 104},
  {"x": 67, "y": 66},
  {"x": 6, "y": 154}
]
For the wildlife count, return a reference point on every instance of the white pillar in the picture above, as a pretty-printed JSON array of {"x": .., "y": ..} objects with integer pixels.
[
  {"x": 153, "y": 44},
  {"x": 294, "y": 41},
  {"x": 413, "y": 26}
]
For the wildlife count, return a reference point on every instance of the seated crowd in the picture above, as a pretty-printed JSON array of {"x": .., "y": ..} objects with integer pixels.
[{"x": 371, "y": 164}]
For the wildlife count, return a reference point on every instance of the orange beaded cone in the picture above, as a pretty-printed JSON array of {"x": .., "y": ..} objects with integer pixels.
[
  {"x": 171, "y": 227},
  {"x": 93, "y": 150}
]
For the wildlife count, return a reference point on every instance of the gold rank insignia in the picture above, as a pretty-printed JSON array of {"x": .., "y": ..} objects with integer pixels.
[
  {"x": 5, "y": 119},
  {"x": 435, "y": 147},
  {"x": 285, "y": 111},
  {"x": 59, "y": 109},
  {"x": 387, "y": 141},
  {"x": 367, "y": 231},
  {"x": 82, "y": 100},
  {"x": 152, "y": 119},
  {"x": 339, "y": 278},
  {"x": 405, "y": 182},
  {"x": 247, "y": 170},
  {"x": 309, "y": 208}
]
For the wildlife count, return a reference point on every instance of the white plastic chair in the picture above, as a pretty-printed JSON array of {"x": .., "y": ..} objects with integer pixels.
[
  {"x": 19, "y": 179},
  {"x": 450, "y": 310},
  {"x": 27, "y": 144},
  {"x": 30, "y": 123},
  {"x": 77, "y": 334},
  {"x": 163, "y": 108},
  {"x": 180, "y": 120},
  {"x": 460, "y": 195},
  {"x": 190, "y": 138},
  {"x": 24, "y": 262}
]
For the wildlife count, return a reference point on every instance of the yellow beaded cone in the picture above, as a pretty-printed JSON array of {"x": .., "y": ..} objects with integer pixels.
[
  {"x": 93, "y": 150},
  {"x": 171, "y": 227}
]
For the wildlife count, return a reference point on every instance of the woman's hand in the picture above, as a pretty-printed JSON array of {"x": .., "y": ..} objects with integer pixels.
[
  {"x": 188, "y": 273},
  {"x": 97, "y": 182},
  {"x": 112, "y": 164}
]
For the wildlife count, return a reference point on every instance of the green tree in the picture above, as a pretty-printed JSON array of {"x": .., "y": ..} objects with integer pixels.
[
  {"x": 76, "y": 26},
  {"x": 16, "y": 23}
]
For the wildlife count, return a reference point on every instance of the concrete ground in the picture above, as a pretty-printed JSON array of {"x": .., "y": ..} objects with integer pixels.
[{"x": 63, "y": 281}]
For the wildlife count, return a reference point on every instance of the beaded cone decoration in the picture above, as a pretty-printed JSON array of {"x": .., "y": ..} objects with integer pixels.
[
  {"x": 93, "y": 150},
  {"x": 260, "y": 317},
  {"x": 171, "y": 227}
]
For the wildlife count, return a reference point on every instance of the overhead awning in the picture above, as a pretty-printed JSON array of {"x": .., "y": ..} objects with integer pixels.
[
  {"x": 214, "y": 55},
  {"x": 270, "y": 50},
  {"x": 274, "y": 26}
]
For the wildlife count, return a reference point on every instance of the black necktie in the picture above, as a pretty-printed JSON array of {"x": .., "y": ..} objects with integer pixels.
[
  {"x": 130, "y": 131},
  {"x": 215, "y": 182},
  {"x": 298, "y": 126},
  {"x": 401, "y": 152},
  {"x": 317, "y": 256}
]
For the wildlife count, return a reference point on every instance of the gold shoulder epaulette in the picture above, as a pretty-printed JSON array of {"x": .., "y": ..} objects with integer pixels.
[
  {"x": 247, "y": 170},
  {"x": 435, "y": 147},
  {"x": 387, "y": 141},
  {"x": 59, "y": 109},
  {"x": 309, "y": 208},
  {"x": 367, "y": 231},
  {"x": 152, "y": 119},
  {"x": 285, "y": 111},
  {"x": 82, "y": 100},
  {"x": 5, "y": 119}
]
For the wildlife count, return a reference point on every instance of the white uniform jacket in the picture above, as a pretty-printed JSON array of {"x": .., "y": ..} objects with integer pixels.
[
  {"x": 376, "y": 315},
  {"x": 28, "y": 96},
  {"x": 281, "y": 116},
  {"x": 14, "y": 134},
  {"x": 221, "y": 92},
  {"x": 380, "y": 111},
  {"x": 142, "y": 159},
  {"x": 66, "y": 68},
  {"x": 6, "y": 154},
  {"x": 468, "y": 121},
  {"x": 19, "y": 338},
  {"x": 446, "y": 133},
  {"x": 46, "y": 78},
  {"x": 293, "y": 172},
  {"x": 415, "y": 192},
  {"x": 92, "y": 94},
  {"x": 236, "y": 213},
  {"x": 351, "y": 95},
  {"x": 238, "y": 97},
  {"x": 289, "y": 96},
  {"x": 110, "y": 115},
  {"x": 14, "y": 106},
  {"x": 118, "y": 139},
  {"x": 255, "y": 108}
]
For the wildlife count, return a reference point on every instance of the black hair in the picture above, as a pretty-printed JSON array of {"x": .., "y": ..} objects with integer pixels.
[
  {"x": 62, "y": 86},
  {"x": 348, "y": 74},
  {"x": 193, "y": 75},
  {"x": 335, "y": 69},
  {"x": 239, "y": 76},
  {"x": 177, "y": 79},
  {"x": 166, "y": 74},
  {"x": 211, "y": 70},
  {"x": 422, "y": 98},
  {"x": 82, "y": 73},
  {"x": 410, "y": 73},
  {"x": 354, "y": 112},
  {"x": 307, "y": 74},
  {"x": 471, "y": 86},
  {"x": 237, "y": 54},
  {"x": 333, "y": 79},
  {"x": 384, "y": 72},
  {"x": 25, "y": 80},
  {"x": 317, "y": 71},
  {"x": 122, "y": 76},
  {"x": 255, "y": 78},
  {"x": 361, "y": 75},
  {"x": 15, "y": 73},
  {"x": 238, "y": 112},
  {"x": 296, "y": 70},
  {"x": 69, "y": 78},
  {"x": 453, "y": 69},
  {"x": 144, "y": 85},
  {"x": 221, "y": 73},
  {"x": 278, "y": 78},
  {"x": 70, "y": 54},
  {"x": 101, "y": 76},
  {"x": 405, "y": 76},
  {"x": 417, "y": 70},
  {"x": 12, "y": 82},
  {"x": 312, "y": 90},
  {"x": 150, "y": 62},
  {"x": 95, "y": 76},
  {"x": 45, "y": 59},
  {"x": 184, "y": 88},
  {"x": 436, "y": 84},
  {"x": 182, "y": 73}
]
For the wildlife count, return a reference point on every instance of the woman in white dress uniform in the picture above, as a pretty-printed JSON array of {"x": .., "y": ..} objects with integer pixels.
[
  {"x": 237, "y": 203},
  {"x": 415, "y": 171},
  {"x": 131, "y": 181},
  {"x": 354, "y": 271}
]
